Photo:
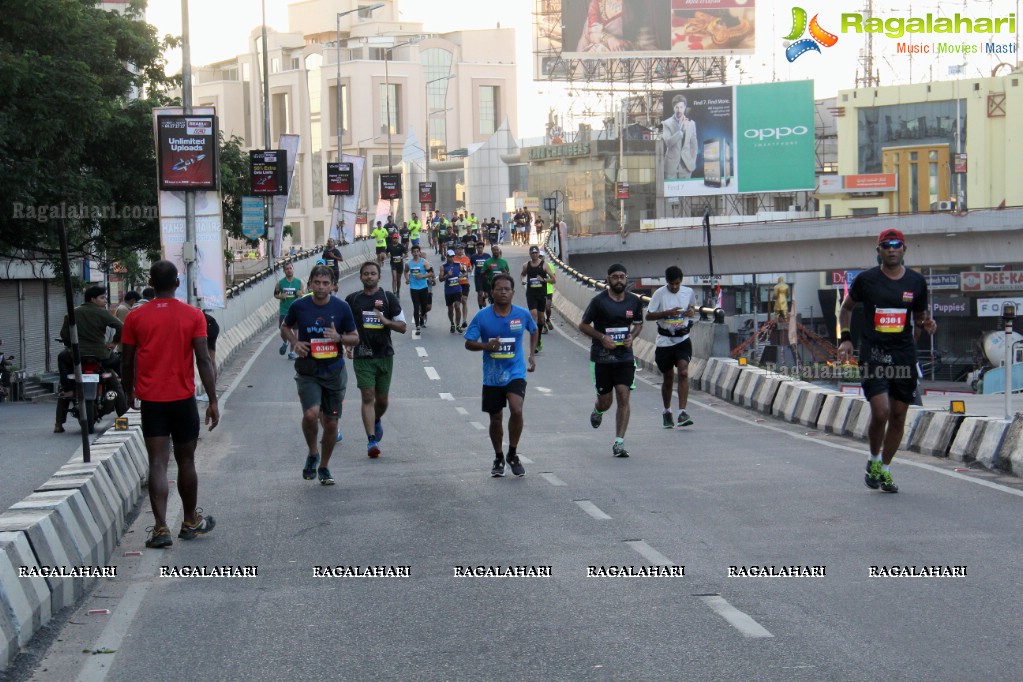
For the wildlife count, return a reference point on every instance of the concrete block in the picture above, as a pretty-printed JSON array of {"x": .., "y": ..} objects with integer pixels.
[
  {"x": 767, "y": 392},
  {"x": 71, "y": 507},
  {"x": 52, "y": 545},
  {"x": 912, "y": 421},
  {"x": 134, "y": 447},
  {"x": 811, "y": 401},
  {"x": 724, "y": 387},
  {"x": 835, "y": 413},
  {"x": 99, "y": 510},
  {"x": 100, "y": 494},
  {"x": 24, "y": 602},
  {"x": 128, "y": 484},
  {"x": 859, "y": 420},
  {"x": 712, "y": 375},
  {"x": 1011, "y": 452},
  {"x": 978, "y": 439},
  {"x": 787, "y": 402},
  {"x": 747, "y": 385},
  {"x": 935, "y": 432},
  {"x": 697, "y": 366}
]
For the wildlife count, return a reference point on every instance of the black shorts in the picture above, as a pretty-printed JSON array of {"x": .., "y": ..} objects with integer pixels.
[
  {"x": 178, "y": 419},
  {"x": 536, "y": 300},
  {"x": 381, "y": 249},
  {"x": 668, "y": 357},
  {"x": 496, "y": 397},
  {"x": 465, "y": 289},
  {"x": 452, "y": 299},
  {"x": 898, "y": 381},
  {"x": 607, "y": 375},
  {"x": 482, "y": 287}
]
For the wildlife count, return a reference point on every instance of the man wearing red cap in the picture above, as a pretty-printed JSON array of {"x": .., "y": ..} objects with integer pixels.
[{"x": 894, "y": 309}]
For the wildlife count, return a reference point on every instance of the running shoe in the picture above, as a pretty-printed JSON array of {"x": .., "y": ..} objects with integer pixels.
[
  {"x": 292, "y": 355},
  {"x": 596, "y": 418},
  {"x": 666, "y": 420},
  {"x": 516, "y": 466},
  {"x": 378, "y": 431},
  {"x": 373, "y": 450},
  {"x": 887, "y": 484},
  {"x": 159, "y": 536},
  {"x": 419, "y": 330},
  {"x": 618, "y": 449},
  {"x": 452, "y": 329},
  {"x": 465, "y": 325},
  {"x": 872, "y": 479},
  {"x": 309, "y": 470},
  {"x": 324, "y": 475},
  {"x": 338, "y": 433},
  {"x": 543, "y": 329},
  {"x": 550, "y": 325},
  {"x": 497, "y": 471},
  {"x": 283, "y": 349},
  {"x": 202, "y": 525},
  {"x": 684, "y": 419},
  {"x": 539, "y": 345}
]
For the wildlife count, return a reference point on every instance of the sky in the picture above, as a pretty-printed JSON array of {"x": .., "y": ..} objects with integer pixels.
[{"x": 220, "y": 29}]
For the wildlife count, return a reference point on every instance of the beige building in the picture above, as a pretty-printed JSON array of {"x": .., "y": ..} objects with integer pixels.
[
  {"x": 914, "y": 132},
  {"x": 395, "y": 80}
]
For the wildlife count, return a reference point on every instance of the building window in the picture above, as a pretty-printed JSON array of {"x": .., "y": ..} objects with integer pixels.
[
  {"x": 389, "y": 113},
  {"x": 279, "y": 116},
  {"x": 275, "y": 64},
  {"x": 489, "y": 108},
  {"x": 332, "y": 106}
]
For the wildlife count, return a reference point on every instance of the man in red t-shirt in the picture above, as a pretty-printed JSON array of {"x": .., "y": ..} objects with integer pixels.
[{"x": 164, "y": 335}]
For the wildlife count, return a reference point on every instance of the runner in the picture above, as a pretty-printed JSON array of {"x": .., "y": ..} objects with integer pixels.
[
  {"x": 287, "y": 290},
  {"x": 479, "y": 261},
  {"x": 494, "y": 265},
  {"x": 452, "y": 277},
  {"x": 498, "y": 331},
  {"x": 315, "y": 326},
  {"x": 164, "y": 342},
  {"x": 414, "y": 227},
  {"x": 550, "y": 297},
  {"x": 417, "y": 276},
  {"x": 670, "y": 306},
  {"x": 405, "y": 232},
  {"x": 376, "y": 313},
  {"x": 535, "y": 276},
  {"x": 396, "y": 254},
  {"x": 895, "y": 309},
  {"x": 380, "y": 235},
  {"x": 494, "y": 232},
  {"x": 466, "y": 264},
  {"x": 332, "y": 258},
  {"x": 613, "y": 319}
]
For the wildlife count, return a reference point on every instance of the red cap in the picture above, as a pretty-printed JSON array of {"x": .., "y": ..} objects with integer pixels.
[{"x": 891, "y": 234}]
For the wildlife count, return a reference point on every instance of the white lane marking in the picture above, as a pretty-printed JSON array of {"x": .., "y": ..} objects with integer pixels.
[
  {"x": 462, "y": 411},
  {"x": 830, "y": 444},
  {"x": 432, "y": 373},
  {"x": 421, "y": 351},
  {"x": 592, "y": 509},
  {"x": 446, "y": 396},
  {"x": 649, "y": 553},
  {"x": 736, "y": 618},
  {"x": 525, "y": 460},
  {"x": 477, "y": 426},
  {"x": 543, "y": 390},
  {"x": 552, "y": 479}
]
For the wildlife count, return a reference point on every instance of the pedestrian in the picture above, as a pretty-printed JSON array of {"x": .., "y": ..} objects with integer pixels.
[
  {"x": 498, "y": 331},
  {"x": 894, "y": 311},
  {"x": 288, "y": 289},
  {"x": 535, "y": 277},
  {"x": 396, "y": 253},
  {"x": 316, "y": 325},
  {"x": 127, "y": 303},
  {"x": 417, "y": 276},
  {"x": 613, "y": 320},
  {"x": 164, "y": 344},
  {"x": 671, "y": 307},
  {"x": 377, "y": 313}
]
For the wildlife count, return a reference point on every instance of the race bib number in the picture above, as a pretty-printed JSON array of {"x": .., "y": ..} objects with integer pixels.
[
  {"x": 414, "y": 270},
  {"x": 678, "y": 324},
  {"x": 505, "y": 349},
  {"x": 535, "y": 282},
  {"x": 890, "y": 320},
  {"x": 617, "y": 334},
  {"x": 396, "y": 259},
  {"x": 454, "y": 281},
  {"x": 322, "y": 349},
  {"x": 289, "y": 292},
  {"x": 370, "y": 320}
]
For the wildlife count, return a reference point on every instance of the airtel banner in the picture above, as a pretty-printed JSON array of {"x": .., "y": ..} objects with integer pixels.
[{"x": 992, "y": 281}]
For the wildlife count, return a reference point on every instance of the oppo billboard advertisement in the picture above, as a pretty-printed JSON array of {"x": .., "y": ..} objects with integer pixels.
[{"x": 737, "y": 139}]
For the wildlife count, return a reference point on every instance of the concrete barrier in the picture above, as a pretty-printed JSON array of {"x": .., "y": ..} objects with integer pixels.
[
  {"x": 787, "y": 402},
  {"x": 1011, "y": 452},
  {"x": 727, "y": 378},
  {"x": 767, "y": 392},
  {"x": 811, "y": 401},
  {"x": 712, "y": 374},
  {"x": 697, "y": 366},
  {"x": 746, "y": 387},
  {"x": 934, "y": 433},
  {"x": 24, "y": 602},
  {"x": 53, "y": 545},
  {"x": 978, "y": 440},
  {"x": 835, "y": 413}
]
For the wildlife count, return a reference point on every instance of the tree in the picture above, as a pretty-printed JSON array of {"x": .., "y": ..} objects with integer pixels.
[{"x": 234, "y": 182}]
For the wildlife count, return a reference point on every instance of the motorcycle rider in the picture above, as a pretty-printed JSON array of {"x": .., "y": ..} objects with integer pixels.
[{"x": 92, "y": 318}]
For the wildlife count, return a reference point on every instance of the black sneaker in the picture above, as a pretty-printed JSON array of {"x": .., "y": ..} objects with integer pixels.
[
  {"x": 872, "y": 478},
  {"x": 159, "y": 536},
  {"x": 684, "y": 419},
  {"x": 325, "y": 477},
  {"x": 309, "y": 470},
  {"x": 203, "y": 525},
  {"x": 465, "y": 325},
  {"x": 453, "y": 330},
  {"x": 666, "y": 420},
  {"x": 283, "y": 349},
  {"x": 497, "y": 471},
  {"x": 516, "y": 466},
  {"x": 596, "y": 418},
  {"x": 618, "y": 449}
]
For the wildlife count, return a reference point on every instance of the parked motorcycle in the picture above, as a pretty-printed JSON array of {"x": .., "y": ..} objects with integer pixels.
[
  {"x": 103, "y": 394},
  {"x": 6, "y": 362}
]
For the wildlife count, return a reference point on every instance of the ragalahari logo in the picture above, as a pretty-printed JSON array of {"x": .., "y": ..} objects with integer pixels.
[{"x": 817, "y": 35}]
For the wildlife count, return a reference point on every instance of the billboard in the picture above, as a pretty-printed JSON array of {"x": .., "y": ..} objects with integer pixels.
[
  {"x": 737, "y": 139},
  {"x": 626, "y": 29},
  {"x": 187, "y": 151},
  {"x": 390, "y": 186},
  {"x": 427, "y": 190},
  {"x": 268, "y": 172},
  {"x": 340, "y": 179}
]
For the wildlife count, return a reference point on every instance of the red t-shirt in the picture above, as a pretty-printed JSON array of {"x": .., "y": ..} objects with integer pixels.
[{"x": 162, "y": 332}]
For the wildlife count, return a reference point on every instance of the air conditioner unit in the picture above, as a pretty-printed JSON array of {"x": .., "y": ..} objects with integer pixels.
[{"x": 944, "y": 205}]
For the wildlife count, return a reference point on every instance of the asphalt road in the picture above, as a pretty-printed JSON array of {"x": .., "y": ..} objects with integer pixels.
[{"x": 728, "y": 491}]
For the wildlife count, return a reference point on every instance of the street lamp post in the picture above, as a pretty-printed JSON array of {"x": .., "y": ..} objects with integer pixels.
[{"x": 387, "y": 104}]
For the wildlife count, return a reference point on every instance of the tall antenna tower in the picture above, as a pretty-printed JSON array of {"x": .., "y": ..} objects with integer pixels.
[{"x": 868, "y": 77}]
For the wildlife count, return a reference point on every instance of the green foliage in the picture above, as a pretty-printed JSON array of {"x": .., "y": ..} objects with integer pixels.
[{"x": 234, "y": 182}]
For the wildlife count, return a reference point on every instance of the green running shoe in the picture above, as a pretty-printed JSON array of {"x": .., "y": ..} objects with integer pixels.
[
  {"x": 872, "y": 478},
  {"x": 887, "y": 484}
]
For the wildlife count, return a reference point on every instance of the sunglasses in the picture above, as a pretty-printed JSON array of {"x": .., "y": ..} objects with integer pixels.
[{"x": 893, "y": 244}]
